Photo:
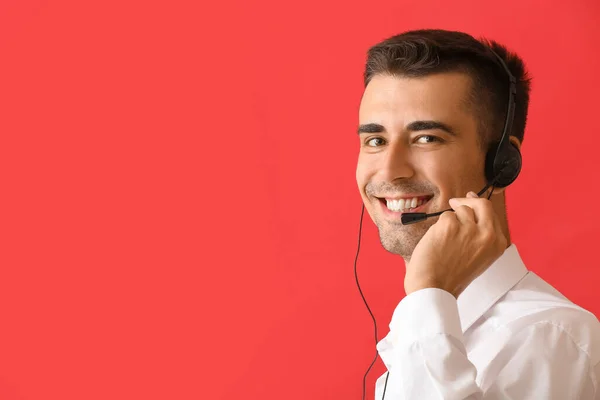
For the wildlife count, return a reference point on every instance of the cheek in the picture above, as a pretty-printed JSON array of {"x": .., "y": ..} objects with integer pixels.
[
  {"x": 363, "y": 172},
  {"x": 457, "y": 176},
  {"x": 441, "y": 177}
]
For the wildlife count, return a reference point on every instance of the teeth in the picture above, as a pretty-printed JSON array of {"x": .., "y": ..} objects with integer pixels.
[
  {"x": 404, "y": 204},
  {"x": 400, "y": 204}
]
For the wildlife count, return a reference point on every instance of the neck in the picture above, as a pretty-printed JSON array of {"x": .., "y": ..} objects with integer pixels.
[{"x": 499, "y": 205}]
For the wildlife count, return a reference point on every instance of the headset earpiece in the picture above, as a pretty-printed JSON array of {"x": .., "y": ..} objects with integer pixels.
[
  {"x": 503, "y": 160},
  {"x": 503, "y": 167}
]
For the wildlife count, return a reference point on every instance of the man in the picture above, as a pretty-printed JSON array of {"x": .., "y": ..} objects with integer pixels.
[{"x": 475, "y": 323}]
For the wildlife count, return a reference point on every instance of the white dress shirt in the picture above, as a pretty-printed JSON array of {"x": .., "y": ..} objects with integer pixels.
[{"x": 509, "y": 336}]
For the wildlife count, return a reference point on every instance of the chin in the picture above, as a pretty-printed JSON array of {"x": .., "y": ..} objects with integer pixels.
[{"x": 402, "y": 240}]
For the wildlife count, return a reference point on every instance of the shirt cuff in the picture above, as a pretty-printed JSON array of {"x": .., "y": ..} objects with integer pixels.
[{"x": 424, "y": 313}]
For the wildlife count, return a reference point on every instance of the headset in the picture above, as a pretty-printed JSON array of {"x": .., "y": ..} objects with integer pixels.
[{"x": 502, "y": 167}]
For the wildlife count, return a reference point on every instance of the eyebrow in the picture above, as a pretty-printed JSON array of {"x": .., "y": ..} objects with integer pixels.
[{"x": 414, "y": 126}]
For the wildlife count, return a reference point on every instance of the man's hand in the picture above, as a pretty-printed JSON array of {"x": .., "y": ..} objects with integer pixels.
[{"x": 457, "y": 248}]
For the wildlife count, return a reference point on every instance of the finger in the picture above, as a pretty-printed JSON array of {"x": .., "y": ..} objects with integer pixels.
[
  {"x": 484, "y": 212},
  {"x": 448, "y": 219},
  {"x": 495, "y": 219},
  {"x": 491, "y": 222},
  {"x": 485, "y": 216},
  {"x": 466, "y": 215}
]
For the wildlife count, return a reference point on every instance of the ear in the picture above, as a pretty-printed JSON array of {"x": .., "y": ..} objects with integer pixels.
[
  {"x": 517, "y": 143},
  {"x": 496, "y": 192}
]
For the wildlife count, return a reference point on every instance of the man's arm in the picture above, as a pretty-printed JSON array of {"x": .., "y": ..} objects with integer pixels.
[{"x": 426, "y": 357}]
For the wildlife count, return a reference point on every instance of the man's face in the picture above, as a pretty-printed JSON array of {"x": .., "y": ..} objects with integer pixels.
[{"x": 419, "y": 148}]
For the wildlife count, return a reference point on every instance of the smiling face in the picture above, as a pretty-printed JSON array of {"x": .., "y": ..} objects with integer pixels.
[{"x": 419, "y": 147}]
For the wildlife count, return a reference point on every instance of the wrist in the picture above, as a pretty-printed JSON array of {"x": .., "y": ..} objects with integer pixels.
[{"x": 412, "y": 285}]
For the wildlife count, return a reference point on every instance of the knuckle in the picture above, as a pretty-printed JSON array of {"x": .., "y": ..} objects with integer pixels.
[
  {"x": 488, "y": 237},
  {"x": 486, "y": 205},
  {"x": 464, "y": 210},
  {"x": 446, "y": 217},
  {"x": 448, "y": 221}
]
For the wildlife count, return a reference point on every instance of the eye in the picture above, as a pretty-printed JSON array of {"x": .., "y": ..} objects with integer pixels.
[
  {"x": 374, "y": 142},
  {"x": 428, "y": 139}
]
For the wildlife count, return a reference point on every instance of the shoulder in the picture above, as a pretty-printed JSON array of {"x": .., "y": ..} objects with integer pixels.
[
  {"x": 574, "y": 324},
  {"x": 538, "y": 308}
]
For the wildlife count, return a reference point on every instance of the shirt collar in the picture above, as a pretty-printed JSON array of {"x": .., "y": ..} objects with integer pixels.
[{"x": 490, "y": 286}]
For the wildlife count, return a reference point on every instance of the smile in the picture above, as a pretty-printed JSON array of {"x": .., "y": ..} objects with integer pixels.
[{"x": 405, "y": 204}]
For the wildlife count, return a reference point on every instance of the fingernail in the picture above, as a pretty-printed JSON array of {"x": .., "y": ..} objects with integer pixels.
[{"x": 471, "y": 194}]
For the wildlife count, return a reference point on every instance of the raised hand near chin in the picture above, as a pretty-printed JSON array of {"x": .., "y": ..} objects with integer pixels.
[{"x": 457, "y": 248}]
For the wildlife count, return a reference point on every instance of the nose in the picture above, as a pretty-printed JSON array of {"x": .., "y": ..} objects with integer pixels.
[{"x": 396, "y": 163}]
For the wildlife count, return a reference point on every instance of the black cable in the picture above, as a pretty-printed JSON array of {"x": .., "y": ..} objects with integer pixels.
[
  {"x": 368, "y": 308},
  {"x": 366, "y": 304},
  {"x": 385, "y": 386}
]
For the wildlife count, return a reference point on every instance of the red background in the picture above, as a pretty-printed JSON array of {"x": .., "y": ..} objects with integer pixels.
[{"x": 179, "y": 212}]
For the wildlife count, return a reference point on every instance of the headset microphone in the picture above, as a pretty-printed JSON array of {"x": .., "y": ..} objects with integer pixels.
[{"x": 412, "y": 218}]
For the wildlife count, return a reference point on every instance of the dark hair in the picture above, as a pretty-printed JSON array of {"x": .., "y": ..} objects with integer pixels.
[{"x": 428, "y": 51}]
